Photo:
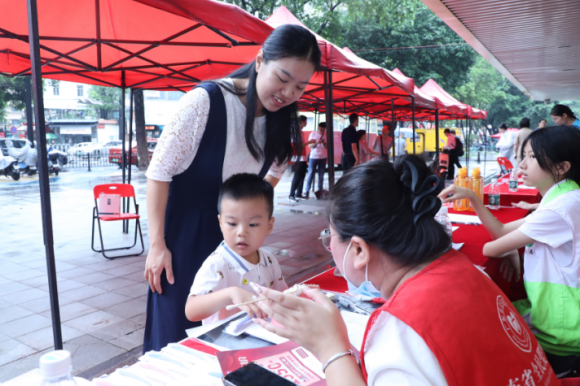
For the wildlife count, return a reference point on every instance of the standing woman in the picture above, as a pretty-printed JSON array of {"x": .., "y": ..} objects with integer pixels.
[{"x": 252, "y": 118}]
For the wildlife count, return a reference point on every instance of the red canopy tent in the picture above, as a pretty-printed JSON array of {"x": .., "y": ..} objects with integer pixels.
[{"x": 154, "y": 49}]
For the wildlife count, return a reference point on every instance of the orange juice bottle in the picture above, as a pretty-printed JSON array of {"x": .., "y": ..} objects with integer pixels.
[
  {"x": 463, "y": 181},
  {"x": 477, "y": 183}
]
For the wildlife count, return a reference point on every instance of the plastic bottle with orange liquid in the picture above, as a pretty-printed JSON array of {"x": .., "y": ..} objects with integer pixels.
[
  {"x": 463, "y": 181},
  {"x": 477, "y": 184}
]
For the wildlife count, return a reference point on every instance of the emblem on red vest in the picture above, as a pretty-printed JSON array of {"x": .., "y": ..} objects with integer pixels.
[{"x": 512, "y": 326}]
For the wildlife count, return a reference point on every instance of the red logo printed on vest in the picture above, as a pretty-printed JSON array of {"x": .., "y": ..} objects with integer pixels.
[{"x": 512, "y": 326}]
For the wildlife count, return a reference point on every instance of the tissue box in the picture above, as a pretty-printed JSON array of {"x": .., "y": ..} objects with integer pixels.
[{"x": 109, "y": 204}]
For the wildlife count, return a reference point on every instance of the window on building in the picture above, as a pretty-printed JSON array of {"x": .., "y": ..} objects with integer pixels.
[
  {"x": 80, "y": 90},
  {"x": 55, "y": 90},
  {"x": 174, "y": 95}
]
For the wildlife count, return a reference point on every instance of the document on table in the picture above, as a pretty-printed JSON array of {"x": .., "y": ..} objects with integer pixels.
[
  {"x": 464, "y": 219},
  {"x": 453, "y": 229},
  {"x": 525, "y": 187},
  {"x": 355, "y": 326}
]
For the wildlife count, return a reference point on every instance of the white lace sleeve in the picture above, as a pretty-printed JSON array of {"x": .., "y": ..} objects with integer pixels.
[
  {"x": 277, "y": 171},
  {"x": 180, "y": 139}
]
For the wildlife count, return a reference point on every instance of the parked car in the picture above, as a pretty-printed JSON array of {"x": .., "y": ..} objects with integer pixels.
[
  {"x": 103, "y": 149},
  {"x": 115, "y": 154},
  {"x": 18, "y": 144},
  {"x": 81, "y": 149}
]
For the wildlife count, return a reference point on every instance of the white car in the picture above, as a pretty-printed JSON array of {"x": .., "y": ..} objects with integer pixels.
[
  {"x": 103, "y": 149},
  {"x": 81, "y": 149}
]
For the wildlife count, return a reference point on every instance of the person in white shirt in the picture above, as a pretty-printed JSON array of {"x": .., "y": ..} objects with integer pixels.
[
  {"x": 551, "y": 163},
  {"x": 400, "y": 144},
  {"x": 383, "y": 143},
  {"x": 506, "y": 144},
  {"x": 246, "y": 203},
  {"x": 316, "y": 159}
]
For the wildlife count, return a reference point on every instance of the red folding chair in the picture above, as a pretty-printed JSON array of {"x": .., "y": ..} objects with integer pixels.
[
  {"x": 125, "y": 191},
  {"x": 505, "y": 166}
]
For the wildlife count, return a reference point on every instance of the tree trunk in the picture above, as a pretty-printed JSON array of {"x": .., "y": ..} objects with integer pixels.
[{"x": 142, "y": 150}]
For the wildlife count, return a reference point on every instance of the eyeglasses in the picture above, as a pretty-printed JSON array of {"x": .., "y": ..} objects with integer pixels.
[{"x": 326, "y": 236}]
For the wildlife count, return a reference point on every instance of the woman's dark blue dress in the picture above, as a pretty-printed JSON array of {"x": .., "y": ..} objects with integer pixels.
[{"x": 192, "y": 230}]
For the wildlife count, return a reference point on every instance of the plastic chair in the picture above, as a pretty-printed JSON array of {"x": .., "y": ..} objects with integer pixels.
[
  {"x": 505, "y": 166},
  {"x": 125, "y": 191}
]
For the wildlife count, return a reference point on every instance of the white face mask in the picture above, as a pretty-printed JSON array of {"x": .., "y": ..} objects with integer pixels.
[{"x": 366, "y": 290}]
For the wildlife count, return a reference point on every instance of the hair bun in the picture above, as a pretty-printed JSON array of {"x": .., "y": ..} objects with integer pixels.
[{"x": 425, "y": 199}]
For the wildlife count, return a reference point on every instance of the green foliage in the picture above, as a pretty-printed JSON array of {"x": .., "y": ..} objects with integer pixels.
[
  {"x": 447, "y": 65},
  {"x": 482, "y": 86},
  {"x": 108, "y": 99},
  {"x": 11, "y": 92}
]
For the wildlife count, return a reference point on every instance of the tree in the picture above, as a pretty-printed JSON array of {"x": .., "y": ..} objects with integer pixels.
[
  {"x": 108, "y": 100},
  {"x": 323, "y": 16},
  {"x": 482, "y": 86},
  {"x": 12, "y": 92},
  {"x": 372, "y": 38},
  {"x": 142, "y": 150}
]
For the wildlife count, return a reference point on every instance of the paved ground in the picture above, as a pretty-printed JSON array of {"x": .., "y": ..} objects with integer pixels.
[{"x": 102, "y": 302}]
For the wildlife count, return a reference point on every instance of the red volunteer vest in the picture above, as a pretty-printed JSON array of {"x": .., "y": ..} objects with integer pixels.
[{"x": 472, "y": 328}]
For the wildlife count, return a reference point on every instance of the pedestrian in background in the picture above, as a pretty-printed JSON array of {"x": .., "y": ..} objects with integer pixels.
[
  {"x": 542, "y": 124},
  {"x": 450, "y": 149},
  {"x": 506, "y": 144},
  {"x": 563, "y": 116},
  {"x": 299, "y": 168},
  {"x": 400, "y": 144},
  {"x": 524, "y": 133},
  {"x": 364, "y": 152},
  {"x": 349, "y": 139},
  {"x": 383, "y": 143},
  {"x": 317, "y": 159}
]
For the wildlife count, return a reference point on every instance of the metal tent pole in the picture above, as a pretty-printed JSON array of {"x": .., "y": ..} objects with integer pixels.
[
  {"x": 329, "y": 126},
  {"x": 393, "y": 126},
  {"x": 35, "y": 64},
  {"x": 414, "y": 149},
  {"x": 437, "y": 135},
  {"x": 124, "y": 133},
  {"x": 29, "y": 122},
  {"x": 130, "y": 160}
]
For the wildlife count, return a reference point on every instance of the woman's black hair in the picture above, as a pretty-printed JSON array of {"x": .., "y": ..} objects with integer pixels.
[
  {"x": 361, "y": 133},
  {"x": 375, "y": 201},
  {"x": 503, "y": 126},
  {"x": 554, "y": 145},
  {"x": 286, "y": 41},
  {"x": 560, "y": 110}
]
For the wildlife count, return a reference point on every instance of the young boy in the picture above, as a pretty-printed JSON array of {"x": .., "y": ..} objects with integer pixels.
[{"x": 245, "y": 207}]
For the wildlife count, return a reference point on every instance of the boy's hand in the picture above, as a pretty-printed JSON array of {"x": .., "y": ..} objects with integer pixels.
[{"x": 239, "y": 295}]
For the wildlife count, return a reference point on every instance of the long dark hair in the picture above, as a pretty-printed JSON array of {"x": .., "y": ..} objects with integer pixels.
[
  {"x": 554, "y": 145},
  {"x": 374, "y": 201},
  {"x": 282, "y": 126}
]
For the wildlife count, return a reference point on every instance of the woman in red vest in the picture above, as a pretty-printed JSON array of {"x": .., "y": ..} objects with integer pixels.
[{"x": 443, "y": 323}]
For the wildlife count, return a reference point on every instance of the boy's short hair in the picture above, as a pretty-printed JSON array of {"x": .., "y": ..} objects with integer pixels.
[
  {"x": 247, "y": 186},
  {"x": 322, "y": 124},
  {"x": 303, "y": 118},
  {"x": 446, "y": 131}
]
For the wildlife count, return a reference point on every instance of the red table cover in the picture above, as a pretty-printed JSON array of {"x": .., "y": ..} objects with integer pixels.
[{"x": 507, "y": 198}]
